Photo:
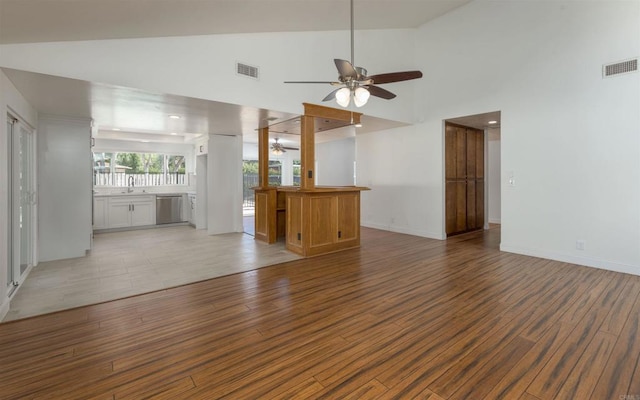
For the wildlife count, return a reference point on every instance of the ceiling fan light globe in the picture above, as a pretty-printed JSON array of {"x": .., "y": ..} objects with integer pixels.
[
  {"x": 361, "y": 96},
  {"x": 343, "y": 96}
]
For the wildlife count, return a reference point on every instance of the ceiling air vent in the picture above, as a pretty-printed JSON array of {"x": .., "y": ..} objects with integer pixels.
[
  {"x": 622, "y": 67},
  {"x": 247, "y": 70}
]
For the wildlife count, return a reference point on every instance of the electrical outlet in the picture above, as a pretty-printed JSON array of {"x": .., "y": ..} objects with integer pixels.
[{"x": 580, "y": 244}]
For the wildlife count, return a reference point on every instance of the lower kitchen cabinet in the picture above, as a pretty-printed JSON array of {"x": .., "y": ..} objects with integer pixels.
[
  {"x": 191, "y": 209},
  {"x": 143, "y": 212},
  {"x": 119, "y": 213},
  {"x": 100, "y": 213},
  {"x": 126, "y": 211}
]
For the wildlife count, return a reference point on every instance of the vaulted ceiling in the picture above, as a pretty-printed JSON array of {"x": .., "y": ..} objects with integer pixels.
[
  {"x": 24, "y": 21},
  {"x": 113, "y": 107}
]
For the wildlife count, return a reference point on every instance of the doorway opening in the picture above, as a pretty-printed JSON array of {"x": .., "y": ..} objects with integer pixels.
[
  {"x": 249, "y": 181},
  {"x": 472, "y": 173}
]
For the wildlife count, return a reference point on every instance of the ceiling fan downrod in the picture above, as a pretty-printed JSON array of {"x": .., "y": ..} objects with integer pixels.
[{"x": 352, "y": 30}]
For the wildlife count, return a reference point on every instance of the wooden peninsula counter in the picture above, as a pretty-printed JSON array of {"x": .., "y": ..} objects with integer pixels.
[
  {"x": 316, "y": 221},
  {"x": 313, "y": 219}
]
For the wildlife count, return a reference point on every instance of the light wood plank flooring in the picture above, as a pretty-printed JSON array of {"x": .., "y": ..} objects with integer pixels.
[
  {"x": 401, "y": 318},
  {"x": 123, "y": 264}
]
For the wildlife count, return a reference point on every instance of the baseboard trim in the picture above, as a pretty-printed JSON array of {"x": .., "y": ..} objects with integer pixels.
[
  {"x": 141, "y": 227},
  {"x": 495, "y": 221},
  {"x": 4, "y": 308},
  {"x": 6, "y": 305},
  {"x": 407, "y": 231},
  {"x": 569, "y": 258}
]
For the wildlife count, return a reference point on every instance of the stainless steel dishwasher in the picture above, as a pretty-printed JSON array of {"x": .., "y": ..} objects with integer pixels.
[{"x": 168, "y": 209}]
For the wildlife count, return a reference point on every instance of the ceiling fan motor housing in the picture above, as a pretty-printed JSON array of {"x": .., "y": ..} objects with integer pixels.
[{"x": 362, "y": 73}]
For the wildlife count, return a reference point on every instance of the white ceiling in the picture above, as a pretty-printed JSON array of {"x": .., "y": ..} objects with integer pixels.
[
  {"x": 479, "y": 121},
  {"x": 144, "y": 116},
  {"x": 141, "y": 115}
]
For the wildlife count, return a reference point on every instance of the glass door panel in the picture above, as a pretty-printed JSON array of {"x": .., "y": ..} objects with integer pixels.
[
  {"x": 10, "y": 274},
  {"x": 27, "y": 195},
  {"x": 22, "y": 201}
]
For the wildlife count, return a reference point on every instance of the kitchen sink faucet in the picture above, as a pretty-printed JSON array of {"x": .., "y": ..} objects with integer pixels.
[{"x": 130, "y": 184}]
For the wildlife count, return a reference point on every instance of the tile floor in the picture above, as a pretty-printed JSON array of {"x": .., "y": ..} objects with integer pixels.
[{"x": 127, "y": 263}]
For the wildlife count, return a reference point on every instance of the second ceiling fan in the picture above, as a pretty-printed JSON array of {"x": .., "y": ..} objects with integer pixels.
[{"x": 353, "y": 81}]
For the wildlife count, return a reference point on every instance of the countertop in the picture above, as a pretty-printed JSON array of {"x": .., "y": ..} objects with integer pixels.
[
  {"x": 317, "y": 189},
  {"x": 138, "y": 193}
]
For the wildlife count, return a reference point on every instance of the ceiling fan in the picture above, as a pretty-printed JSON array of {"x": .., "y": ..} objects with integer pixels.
[
  {"x": 354, "y": 83},
  {"x": 277, "y": 148}
]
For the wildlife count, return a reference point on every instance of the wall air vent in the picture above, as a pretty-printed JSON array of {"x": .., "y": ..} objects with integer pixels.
[
  {"x": 247, "y": 70},
  {"x": 622, "y": 67}
]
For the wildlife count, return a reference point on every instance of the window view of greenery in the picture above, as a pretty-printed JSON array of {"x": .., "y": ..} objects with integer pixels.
[
  {"x": 147, "y": 169},
  {"x": 250, "y": 177},
  {"x": 296, "y": 172},
  {"x": 250, "y": 172}
]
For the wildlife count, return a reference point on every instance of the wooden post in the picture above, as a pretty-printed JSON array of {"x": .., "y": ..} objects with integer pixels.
[
  {"x": 307, "y": 153},
  {"x": 263, "y": 157}
]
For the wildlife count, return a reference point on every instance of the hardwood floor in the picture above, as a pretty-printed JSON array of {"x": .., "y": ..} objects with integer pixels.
[{"x": 400, "y": 318}]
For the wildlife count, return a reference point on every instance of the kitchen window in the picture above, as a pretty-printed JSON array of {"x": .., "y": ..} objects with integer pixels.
[{"x": 147, "y": 169}]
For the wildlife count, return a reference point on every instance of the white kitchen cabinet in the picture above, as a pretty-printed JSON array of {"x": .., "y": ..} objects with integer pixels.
[
  {"x": 119, "y": 213},
  {"x": 192, "y": 209},
  {"x": 100, "y": 213},
  {"x": 127, "y": 211},
  {"x": 143, "y": 212}
]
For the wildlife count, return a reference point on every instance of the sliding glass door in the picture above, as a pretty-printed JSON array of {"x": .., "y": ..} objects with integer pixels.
[
  {"x": 10, "y": 272},
  {"x": 22, "y": 200}
]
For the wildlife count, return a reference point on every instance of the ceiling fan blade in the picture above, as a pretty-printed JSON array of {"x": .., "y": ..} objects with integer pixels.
[
  {"x": 291, "y": 148},
  {"x": 380, "y": 92},
  {"x": 325, "y": 82},
  {"x": 346, "y": 70},
  {"x": 331, "y": 95},
  {"x": 395, "y": 77}
]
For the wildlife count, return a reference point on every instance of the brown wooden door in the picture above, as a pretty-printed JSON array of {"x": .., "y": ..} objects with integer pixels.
[{"x": 464, "y": 175}]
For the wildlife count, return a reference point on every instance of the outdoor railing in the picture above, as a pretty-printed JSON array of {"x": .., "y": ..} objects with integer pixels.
[{"x": 121, "y": 179}]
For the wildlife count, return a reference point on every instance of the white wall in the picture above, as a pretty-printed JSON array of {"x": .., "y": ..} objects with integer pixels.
[
  {"x": 403, "y": 169},
  {"x": 569, "y": 136},
  {"x": 249, "y": 151},
  {"x": 334, "y": 162},
  {"x": 64, "y": 195},
  {"x": 202, "y": 191},
  {"x": 224, "y": 184},
  {"x": 10, "y": 99},
  {"x": 493, "y": 175}
]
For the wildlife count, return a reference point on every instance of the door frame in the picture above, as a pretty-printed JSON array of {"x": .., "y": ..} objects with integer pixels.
[
  {"x": 444, "y": 173},
  {"x": 15, "y": 198}
]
